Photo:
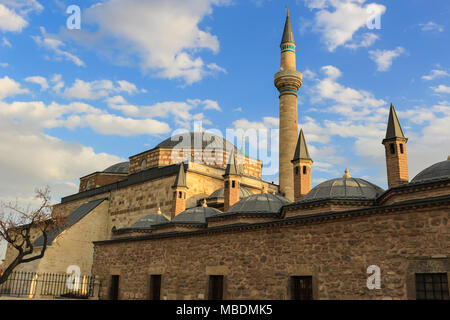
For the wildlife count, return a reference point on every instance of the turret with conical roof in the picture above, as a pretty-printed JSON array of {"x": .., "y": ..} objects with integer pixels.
[
  {"x": 179, "y": 192},
  {"x": 395, "y": 150},
  {"x": 302, "y": 168},
  {"x": 288, "y": 81},
  {"x": 232, "y": 182}
]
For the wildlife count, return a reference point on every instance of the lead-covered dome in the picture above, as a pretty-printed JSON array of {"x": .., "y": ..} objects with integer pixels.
[
  {"x": 259, "y": 203},
  {"x": 220, "y": 193},
  {"x": 122, "y": 167},
  {"x": 344, "y": 188},
  {"x": 149, "y": 220},
  {"x": 197, "y": 140},
  {"x": 440, "y": 170},
  {"x": 196, "y": 215}
]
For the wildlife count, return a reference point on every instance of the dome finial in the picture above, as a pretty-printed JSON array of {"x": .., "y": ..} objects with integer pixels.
[
  {"x": 159, "y": 210},
  {"x": 204, "y": 204},
  {"x": 347, "y": 174}
]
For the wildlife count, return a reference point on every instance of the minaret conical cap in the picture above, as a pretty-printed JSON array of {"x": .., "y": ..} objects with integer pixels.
[
  {"x": 288, "y": 35},
  {"x": 394, "y": 130},
  {"x": 301, "y": 151},
  {"x": 180, "y": 180}
]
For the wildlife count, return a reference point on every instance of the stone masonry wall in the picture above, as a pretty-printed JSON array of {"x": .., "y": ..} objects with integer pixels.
[{"x": 257, "y": 263}]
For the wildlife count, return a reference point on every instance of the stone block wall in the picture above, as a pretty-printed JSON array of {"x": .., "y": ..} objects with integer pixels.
[{"x": 257, "y": 263}]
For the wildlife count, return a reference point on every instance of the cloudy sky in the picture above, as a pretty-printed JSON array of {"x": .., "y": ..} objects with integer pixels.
[{"x": 77, "y": 101}]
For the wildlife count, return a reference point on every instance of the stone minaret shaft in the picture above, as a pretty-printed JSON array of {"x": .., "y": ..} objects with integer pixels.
[{"x": 288, "y": 81}]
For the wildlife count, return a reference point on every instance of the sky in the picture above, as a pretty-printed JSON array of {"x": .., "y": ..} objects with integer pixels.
[{"x": 76, "y": 101}]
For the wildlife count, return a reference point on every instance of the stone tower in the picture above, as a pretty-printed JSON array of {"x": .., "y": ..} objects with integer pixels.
[
  {"x": 232, "y": 182},
  {"x": 395, "y": 147},
  {"x": 179, "y": 192},
  {"x": 302, "y": 168},
  {"x": 288, "y": 80}
]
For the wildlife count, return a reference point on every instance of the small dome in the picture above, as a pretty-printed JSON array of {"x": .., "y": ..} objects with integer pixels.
[
  {"x": 344, "y": 188},
  {"x": 149, "y": 220},
  {"x": 118, "y": 168},
  {"x": 196, "y": 215},
  {"x": 268, "y": 203},
  {"x": 243, "y": 193},
  {"x": 440, "y": 170},
  {"x": 197, "y": 140}
]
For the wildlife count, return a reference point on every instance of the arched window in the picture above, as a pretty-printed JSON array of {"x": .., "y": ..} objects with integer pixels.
[
  {"x": 143, "y": 164},
  {"x": 392, "y": 147},
  {"x": 304, "y": 169},
  {"x": 401, "y": 148}
]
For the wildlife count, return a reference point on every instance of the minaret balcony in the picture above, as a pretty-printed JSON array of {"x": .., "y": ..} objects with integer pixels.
[{"x": 288, "y": 80}]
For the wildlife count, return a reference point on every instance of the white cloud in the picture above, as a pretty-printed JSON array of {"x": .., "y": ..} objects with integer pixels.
[
  {"x": 96, "y": 89},
  {"x": 56, "y": 45},
  {"x": 10, "y": 88},
  {"x": 4, "y": 64},
  {"x": 339, "y": 20},
  {"x": 329, "y": 89},
  {"x": 367, "y": 40},
  {"x": 384, "y": 58},
  {"x": 6, "y": 43},
  {"x": 40, "y": 81},
  {"x": 13, "y": 14},
  {"x": 436, "y": 73},
  {"x": 441, "y": 89},
  {"x": 10, "y": 21},
  {"x": 163, "y": 34},
  {"x": 431, "y": 26}
]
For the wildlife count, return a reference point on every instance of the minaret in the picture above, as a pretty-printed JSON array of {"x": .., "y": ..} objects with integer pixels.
[
  {"x": 179, "y": 192},
  {"x": 232, "y": 182},
  {"x": 395, "y": 147},
  {"x": 302, "y": 168},
  {"x": 288, "y": 80}
]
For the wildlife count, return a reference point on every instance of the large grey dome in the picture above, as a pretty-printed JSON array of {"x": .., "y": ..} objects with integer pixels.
[
  {"x": 197, "y": 140},
  {"x": 220, "y": 193},
  {"x": 196, "y": 215},
  {"x": 267, "y": 203},
  {"x": 118, "y": 168},
  {"x": 344, "y": 188},
  {"x": 440, "y": 170},
  {"x": 149, "y": 220}
]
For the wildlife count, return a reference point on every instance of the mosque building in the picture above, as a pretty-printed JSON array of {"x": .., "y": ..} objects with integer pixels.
[{"x": 181, "y": 222}]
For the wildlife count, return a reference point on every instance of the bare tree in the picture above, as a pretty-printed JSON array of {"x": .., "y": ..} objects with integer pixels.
[{"x": 20, "y": 227}]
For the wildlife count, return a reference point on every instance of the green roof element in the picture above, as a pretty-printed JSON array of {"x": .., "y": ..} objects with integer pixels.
[
  {"x": 288, "y": 35},
  {"x": 394, "y": 130},
  {"x": 180, "y": 180},
  {"x": 301, "y": 151}
]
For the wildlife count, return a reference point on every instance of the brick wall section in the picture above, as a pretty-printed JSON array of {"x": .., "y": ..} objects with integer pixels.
[
  {"x": 397, "y": 163},
  {"x": 231, "y": 193},
  {"x": 302, "y": 181},
  {"x": 99, "y": 179},
  {"x": 257, "y": 263},
  {"x": 165, "y": 157}
]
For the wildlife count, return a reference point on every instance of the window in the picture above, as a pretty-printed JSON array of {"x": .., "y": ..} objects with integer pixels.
[
  {"x": 114, "y": 293},
  {"x": 401, "y": 148},
  {"x": 233, "y": 184},
  {"x": 304, "y": 169},
  {"x": 155, "y": 287},
  {"x": 301, "y": 288},
  {"x": 432, "y": 286},
  {"x": 392, "y": 147},
  {"x": 143, "y": 164},
  {"x": 180, "y": 195},
  {"x": 296, "y": 171},
  {"x": 215, "y": 287}
]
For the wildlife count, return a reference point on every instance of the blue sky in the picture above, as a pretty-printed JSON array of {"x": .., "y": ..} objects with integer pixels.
[{"x": 77, "y": 101}]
